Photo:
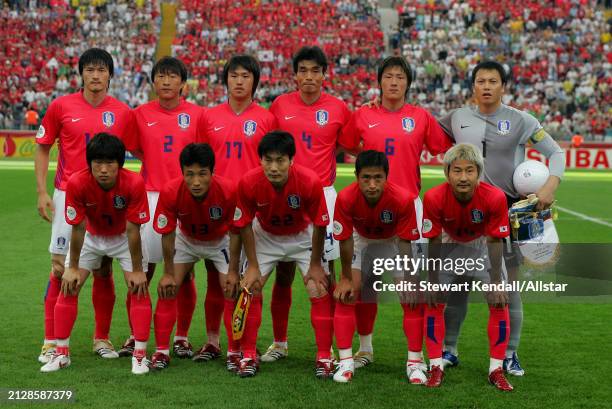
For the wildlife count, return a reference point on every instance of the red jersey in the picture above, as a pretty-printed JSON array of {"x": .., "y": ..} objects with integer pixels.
[
  {"x": 73, "y": 121},
  {"x": 393, "y": 215},
  {"x": 161, "y": 134},
  {"x": 234, "y": 138},
  {"x": 401, "y": 135},
  {"x": 288, "y": 211},
  {"x": 485, "y": 215},
  {"x": 106, "y": 211},
  {"x": 315, "y": 128},
  {"x": 206, "y": 219}
]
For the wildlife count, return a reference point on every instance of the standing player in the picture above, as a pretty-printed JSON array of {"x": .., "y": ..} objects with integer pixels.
[
  {"x": 72, "y": 120},
  {"x": 315, "y": 119},
  {"x": 401, "y": 131},
  {"x": 204, "y": 205},
  {"x": 471, "y": 219},
  {"x": 369, "y": 211},
  {"x": 233, "y": 130},
  {"x": 106, "y": 205},
  {"x": 501, "y": 133},
  {"x": 278, "y": 204},
  {"x": 163, "y": 127}
]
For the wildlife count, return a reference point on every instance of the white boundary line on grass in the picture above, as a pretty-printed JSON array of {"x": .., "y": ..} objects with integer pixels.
[{"x": 585, "y": 217}]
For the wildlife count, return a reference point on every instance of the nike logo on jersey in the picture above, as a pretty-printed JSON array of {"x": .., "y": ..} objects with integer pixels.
[
  {"x": 289, "y": 117},
  {"x": 218, "y": 128},
  {"x": 76, "y": 119},
  {"x": 464, "y": 126},
  {"x": 151, "y": 123},
  {"x": 373, "y": 125}
]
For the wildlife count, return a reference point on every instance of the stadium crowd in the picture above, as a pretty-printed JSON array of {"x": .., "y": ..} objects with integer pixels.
[
  {"x": 558, "y": 54},
  {"x": 35, "y": 68}
]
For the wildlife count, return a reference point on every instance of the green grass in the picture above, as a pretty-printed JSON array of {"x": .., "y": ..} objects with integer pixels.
[{"x": 563, "y": 347}]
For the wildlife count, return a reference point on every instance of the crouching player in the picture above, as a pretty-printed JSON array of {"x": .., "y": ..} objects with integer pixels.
[
  {"x": 105, "y": 204},
  {"x": 373, "y": 211},
  {"x": 471, "y": 219},
  {"x": 204, "y": 205},
  {"x": 278, "y": 204}
]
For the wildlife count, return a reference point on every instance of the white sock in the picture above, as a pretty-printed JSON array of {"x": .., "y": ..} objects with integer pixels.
[
  {"x": 63, "y": 342},
  {"x": 415, "y": 356},
  {"x": 49, "y": 341},
  {"x": 494, "y": 364},
  {"x": 345, "y": 353},
  {"x": 140, "y": 346},
  {"x": 281, "y": 344},
  {"x": 436, "y": 362},
  {"x": 164, "y": 351},
  {"x": 179, "y": 338},
  {"x": 213, "y": 339},
  {"x": 365, "y": 343}
]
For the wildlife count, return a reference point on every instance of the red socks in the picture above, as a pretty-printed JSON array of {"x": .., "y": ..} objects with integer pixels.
[
  {"x": 344, "y": 325},
  {"x": 140, "y": 316},
  {"x": 498, "y": 330},
  {"x": 248, "y": 343},
  {"x": 66, "y": 310},
  {"x": 214, "y": 303},
  {"x": 164, "y": 318},
  {"x": 434, "y": 330},
  {"x": 365, "y": 313},
  {"x": 185, "y": 303},
  {"x": 128, "y": 308},
  {"x": 280, "y": 306},
  {"x": 413, "y": 327},
  {"x": 322, "y": 323},
  {"x": 53, "y": 290},
  {"x": 232, "y": 346},
  {"x": 103, "y": 299}
]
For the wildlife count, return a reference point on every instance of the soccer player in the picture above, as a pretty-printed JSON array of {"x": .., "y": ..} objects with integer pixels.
[
  {"x": 233, "y": 130},
  {"x": 163, "y": 127},
  {"x": 204, "y": 205},
  {"x": 471, "y": 218},
  {"x": 282, "y": 216},
  {"x": 315, "y": 119},
  {"x": 106, "y": 205},
  {"x": 501, "y": 133},
  {"x": 401, "y": 131},
  {"x": 72, "y": 120},
  {"x": 368, "y": 211}
]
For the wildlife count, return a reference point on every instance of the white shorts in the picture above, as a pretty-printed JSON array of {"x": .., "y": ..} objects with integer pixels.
[
  {"x": 96, "y": 247},
  {"x": 60, "y": 230},
  {"x": 273, "y": 248},
  {"x": 151, "y": 240},
  {"x": 361, "y": 243},
  {"x": 331, "y": 249},
  {"x": 188, "y": 250}
]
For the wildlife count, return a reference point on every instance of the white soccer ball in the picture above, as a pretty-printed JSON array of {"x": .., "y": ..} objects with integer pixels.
[{"x": 529, "y": 177}]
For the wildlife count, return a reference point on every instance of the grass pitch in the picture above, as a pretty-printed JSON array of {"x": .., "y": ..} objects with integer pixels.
[{"x": 562, "y": 349}]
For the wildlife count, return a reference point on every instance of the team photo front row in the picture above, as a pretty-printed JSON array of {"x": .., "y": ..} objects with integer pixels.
[{"x": 280, "y": 213}]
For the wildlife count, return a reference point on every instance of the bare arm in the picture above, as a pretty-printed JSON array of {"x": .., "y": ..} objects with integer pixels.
[
  {"x": 137, "y": 279},
  {"x": 252, "y": 275},
  {"x": 41, "y": 168},
  {"x": 71, "y": 280},
  {"x": 166, "y": 287}
]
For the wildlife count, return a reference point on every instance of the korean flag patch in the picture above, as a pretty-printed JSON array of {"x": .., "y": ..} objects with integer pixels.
[{"x": 108, "y": 119}]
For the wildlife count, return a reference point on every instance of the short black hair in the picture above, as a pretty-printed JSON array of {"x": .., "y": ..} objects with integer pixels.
[
  {"x": 395, "y": 61},
  {"x": 310, "y": 54},
  {"x": 277, "y": 142},
  {"x": 169, "y": 65},
  {"x": 247, "y": 62},
  {"x": 96, "y": 56},
  {"x": 104, "y": 146},
  {"x": 198, "y": 153},
  {"x": 371, "y": 159},
  {"x": 490, "y": 65}
]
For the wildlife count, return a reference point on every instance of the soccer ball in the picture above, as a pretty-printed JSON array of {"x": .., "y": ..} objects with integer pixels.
[{"x": 529, "y": 176}]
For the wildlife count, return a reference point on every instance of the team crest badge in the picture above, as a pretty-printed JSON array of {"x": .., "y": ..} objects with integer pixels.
[
  {"x": 322, "y": 117},
  {"x": 215, "y": 213},
  {"x": 386, "y": 216},
  {"x": 108, "y": 119},
  {"x": 503, "y": 127},
  {"x": 250, "y": 127},
  {"x": 184, "y": 120},
  {"x": 293, "y": 201},
  {"x": 408, "y": 124},
  {"x": 477, "y": 216},
  {"x": 119, "y": 202},
  {"x": 61, "y": 242}
]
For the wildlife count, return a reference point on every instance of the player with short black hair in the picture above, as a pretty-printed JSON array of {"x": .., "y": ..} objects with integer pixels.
[
  {"x": 105, "y": 204},
  {"x": 72, "y": 120},
  {"x": 247, "y": 63},
  {"x": 169, "y": 65}
]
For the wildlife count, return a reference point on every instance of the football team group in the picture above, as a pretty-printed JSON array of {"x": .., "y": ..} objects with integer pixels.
[{"x": 251, "y": 191}]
